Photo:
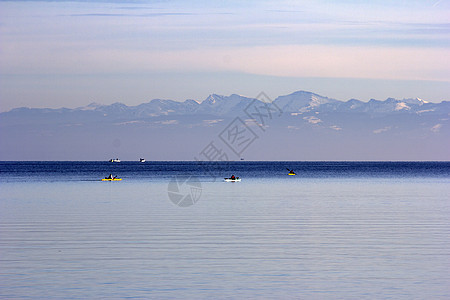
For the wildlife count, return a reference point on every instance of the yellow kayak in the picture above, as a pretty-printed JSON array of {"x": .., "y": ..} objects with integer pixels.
[
  {"x": 292, "y": 174},
  {"x": 112, "y": 179}
]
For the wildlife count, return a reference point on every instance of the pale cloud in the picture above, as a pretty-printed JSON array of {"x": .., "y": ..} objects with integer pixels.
[
  {"x": 295, "y": 60},
  {"x": 335, "y": 127},
  {"x": 167, "y": 122},
  {"x": 377, "y": 131},
  {"x": 436, "y": 128},
  {"x": 342, "y": 61},
  {"x": 377, "y": 40},
  {"x": 130, "y": 122},
  {"x": 312, "y": 120},
  {"x": 255, "y": 123},
  {"x": 211, "y": 122},
  {"x": 424, "y": 111}
]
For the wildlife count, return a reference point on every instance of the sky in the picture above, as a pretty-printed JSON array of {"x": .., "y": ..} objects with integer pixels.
[{"x": 71, "y": 53}]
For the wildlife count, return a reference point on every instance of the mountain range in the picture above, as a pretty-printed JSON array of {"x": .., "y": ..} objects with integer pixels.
[
  {"x": 297, "y": 102},
  {"x": 298, "y": 126}
]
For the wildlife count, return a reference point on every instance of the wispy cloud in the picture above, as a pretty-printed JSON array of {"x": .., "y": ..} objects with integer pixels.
[
  {"x": 167, "y": 122},
  {"x": 161, "y": 14},
  {"x": 335, "y": 127},
  {"x": 384, "y": 129},
  {"x": 436, "y": 128},
  {"x": 299, "y": 61},
  {"x": 211, "y": 122},
  {"x": 312, "y": 120}
]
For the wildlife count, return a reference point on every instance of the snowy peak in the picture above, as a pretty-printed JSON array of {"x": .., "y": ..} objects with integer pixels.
[
  {"x": 416, "y": 101},
  {"x": 191, "y": 102},
  {"x": 410, "y": 105},
  {"x": 212, "y": 99},
  {"x": 91, "y": 106},
  {"x": 402, "y": 105},
  {"x": 301, "y": 101},
  {"x": 222, "y": 105}
]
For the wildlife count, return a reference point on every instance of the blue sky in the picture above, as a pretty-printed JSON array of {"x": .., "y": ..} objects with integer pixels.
[{"x": 71, "y": 53}]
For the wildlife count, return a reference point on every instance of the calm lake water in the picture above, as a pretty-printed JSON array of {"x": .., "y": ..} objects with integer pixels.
[{"x": 337, "y": 230}]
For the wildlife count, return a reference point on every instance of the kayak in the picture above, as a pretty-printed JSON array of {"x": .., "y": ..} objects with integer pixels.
[
  {"x": 292, "y": 174},
  {"x": 232, "y": 180},
  {"x": 112, "y": 179}
]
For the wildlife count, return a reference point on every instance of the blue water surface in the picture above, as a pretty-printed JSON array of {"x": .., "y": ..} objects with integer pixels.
[
  {"x": 76, "y": 170},
  {"x": 336, "y": 230}
]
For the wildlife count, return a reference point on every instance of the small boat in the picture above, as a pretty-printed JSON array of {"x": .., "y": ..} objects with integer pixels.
[
  {"x": 142, "y": 160},
  {"x": 291, "y": 172},
  {"x": 114, "y": 160},
  {"x": 111, "y": 179},
  {"x": 237, "y": 179}
]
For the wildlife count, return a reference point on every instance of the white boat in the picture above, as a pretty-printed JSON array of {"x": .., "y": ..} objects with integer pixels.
[
  {"x": 142, "y": 160},
  {"x": 237, "y": 179},
  {"x": 114, "y": 160}
]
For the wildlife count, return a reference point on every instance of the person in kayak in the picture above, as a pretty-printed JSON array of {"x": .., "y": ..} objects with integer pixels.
[
  {"x": 109, "y": 177},
  {"x": 232, "y": 177}
]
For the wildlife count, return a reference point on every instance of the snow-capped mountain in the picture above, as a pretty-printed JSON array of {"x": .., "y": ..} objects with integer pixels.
[
  {"x": 302, "y": 101},
  {"x": 223, "y": 105},
  {"x": 297, "y": 102},
  {"x": 314, "y": 127}
]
